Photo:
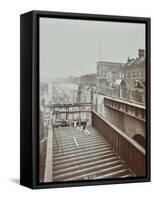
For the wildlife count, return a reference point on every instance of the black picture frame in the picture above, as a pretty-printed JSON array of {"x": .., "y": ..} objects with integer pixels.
[{"x": 29, "y": 98}]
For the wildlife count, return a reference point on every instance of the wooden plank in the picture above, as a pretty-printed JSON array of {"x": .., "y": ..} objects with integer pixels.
[{"x": 75, "y": 142}]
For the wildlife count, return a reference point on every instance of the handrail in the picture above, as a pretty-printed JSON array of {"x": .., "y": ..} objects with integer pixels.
[
  {"x": 129, "y": 97},
  {"x": 126, "y": 102},
  {"x": 125, "y": 147}
]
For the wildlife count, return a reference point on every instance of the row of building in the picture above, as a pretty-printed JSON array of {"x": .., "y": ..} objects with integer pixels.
[{"x": 123, "y": 80}]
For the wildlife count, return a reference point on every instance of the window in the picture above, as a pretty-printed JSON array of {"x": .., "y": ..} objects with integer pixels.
[
  {"x": 134, "y": 74},
  {"x": 139, "y": 74}
]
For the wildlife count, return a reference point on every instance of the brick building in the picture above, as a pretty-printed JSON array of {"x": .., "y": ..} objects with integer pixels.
[{"x": 124, "y": 81}]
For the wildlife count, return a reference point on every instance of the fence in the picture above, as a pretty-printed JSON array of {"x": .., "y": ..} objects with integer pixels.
[{"x": 137, "y": 95}]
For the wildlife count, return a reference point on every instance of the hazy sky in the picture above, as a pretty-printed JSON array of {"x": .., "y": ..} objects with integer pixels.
[{"x": 72, "y": 47}]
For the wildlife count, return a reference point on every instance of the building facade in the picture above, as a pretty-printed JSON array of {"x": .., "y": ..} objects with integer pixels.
[{"x": 123, "y": 81}]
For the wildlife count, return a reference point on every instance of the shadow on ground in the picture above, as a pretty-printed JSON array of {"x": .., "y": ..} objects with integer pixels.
[{"x": 15, "y": 180}]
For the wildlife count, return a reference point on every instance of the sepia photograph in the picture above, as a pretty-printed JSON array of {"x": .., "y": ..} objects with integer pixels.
[{"x": 92, "y": 100}]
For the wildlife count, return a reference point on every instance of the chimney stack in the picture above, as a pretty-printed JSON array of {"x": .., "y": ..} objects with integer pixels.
[{"x": 141, "y": 53}]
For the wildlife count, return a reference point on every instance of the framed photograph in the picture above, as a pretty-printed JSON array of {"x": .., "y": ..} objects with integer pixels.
[{"x": 85, "y": 99}]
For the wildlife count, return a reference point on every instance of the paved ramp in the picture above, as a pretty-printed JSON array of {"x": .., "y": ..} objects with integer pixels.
[{"x": 79, "y": 155}]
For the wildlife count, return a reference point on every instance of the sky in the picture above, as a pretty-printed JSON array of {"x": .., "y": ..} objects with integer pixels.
[{"x": 73, "y": 47}]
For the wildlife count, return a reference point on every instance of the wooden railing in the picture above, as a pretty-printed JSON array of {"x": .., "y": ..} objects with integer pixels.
[{"x": 125, "y": 147}]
